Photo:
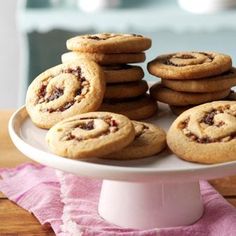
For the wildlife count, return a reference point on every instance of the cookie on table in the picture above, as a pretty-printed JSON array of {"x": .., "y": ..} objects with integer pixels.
[
  {"x": 189, "y": 65},
  {"x": 171, "y": 97},
  {"x": 206, "y": 85},
  {"x": 122, "y": 73},
  {"x": 88, "y": 135},
  {"x": 177, "y": 110},
  {"x": 65, "y": 90},
  {"x": 105, "y": 59},
  {"x": 205, "y": 134},
  {"x": 126, "y": 90},
  {"x": 135, "y": 108},
  {"x": 109, "y": 43},
  {"x": 149, "y": 140}
]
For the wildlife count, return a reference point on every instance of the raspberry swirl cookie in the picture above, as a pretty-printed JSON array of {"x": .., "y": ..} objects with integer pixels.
[
  {"x": 189, "y": 65},
  {"x": 149, "y": 140},
  {"x": 88, "y": 135},
  {"x": 105, "y": 59},
  {"x": 138, "y": 108},
  {"x": 126, "y": 90},
  {"x": 109, "y": 43},
  {"x": 206, "y": 133},
  {"x": 63, "y": 91},
  {"x": 122, "y": 73},
  {"x": 171, "y": 97},
  {"x": 206, "y": 85}
]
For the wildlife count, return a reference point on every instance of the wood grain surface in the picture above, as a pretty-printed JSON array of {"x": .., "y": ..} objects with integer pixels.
[{"x": 15, "y": 221}]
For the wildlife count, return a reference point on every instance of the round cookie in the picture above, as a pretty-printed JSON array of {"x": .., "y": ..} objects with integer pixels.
[
  {"x": 149, "y": 140},
  {"x": 88, "y": 135},
  {"x": 206, "y": 85},
  {"x": 189, "y": 65},
  {"x": 65, "y": 90},
  {"x": 135, "y": 108},
  {"x": 171, "y": 97},
  {"x": 109, "y": 43},
  {"x": 177, "y": 110},
  {"x": 123, "y": 73},
  {"x": 205, "y": 134},
  {"x": 126, "y": 90},
  {"x": 105, "y": 59}
]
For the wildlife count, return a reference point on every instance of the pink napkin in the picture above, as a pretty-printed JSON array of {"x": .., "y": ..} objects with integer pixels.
[{"x": 69, "y": 204}]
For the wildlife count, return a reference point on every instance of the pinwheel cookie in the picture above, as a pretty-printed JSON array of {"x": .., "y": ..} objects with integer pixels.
[
  {"x": 205, "y": 85},
  {"x": 139, "y": 108},
  {"x": 126, "y": 90},
  {"x": 149, "y": 140},
  {"x": 105, "y": 59},
  {"x": 206, "y": 133},
  {"x": 189, "y": 65},
  {"x": 109, "y": 43},
  {"x": 63, "y": 91},
  {"x": 122, "y": 73},
  {"x": 171, "y": 97},
  {"x": 90, "y": 135}
]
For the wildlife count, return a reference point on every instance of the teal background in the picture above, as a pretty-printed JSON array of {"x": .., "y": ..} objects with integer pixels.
[{"x": 44, "y": 30}]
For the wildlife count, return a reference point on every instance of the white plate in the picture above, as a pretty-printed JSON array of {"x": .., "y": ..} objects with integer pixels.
[{"x": 165, "y": 167}]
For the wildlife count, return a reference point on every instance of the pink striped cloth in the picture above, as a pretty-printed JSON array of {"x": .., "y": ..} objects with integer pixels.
[{"x": 69, "y": 204}]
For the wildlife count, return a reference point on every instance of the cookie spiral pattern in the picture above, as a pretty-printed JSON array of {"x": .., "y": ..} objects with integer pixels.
[
  {"x": 107, "y": 36},
  {"x": 189, "y": 65},
  {"x": 89, "y": 135},
  {"x": 63, "y": 91},
  {"x": 109, "y": 43},
  {"x": 205, "y": 133},
  {"x": 186, "y": 59}
]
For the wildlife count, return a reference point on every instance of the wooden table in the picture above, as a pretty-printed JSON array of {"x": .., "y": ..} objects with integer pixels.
[{"x": 16, "y": 221}]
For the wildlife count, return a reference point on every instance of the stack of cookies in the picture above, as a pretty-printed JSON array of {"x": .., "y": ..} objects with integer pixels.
[
  {"x": 64, "y": 99},
  {"x": 191, "y": 78},
  {"x": 125, "y": 91}
]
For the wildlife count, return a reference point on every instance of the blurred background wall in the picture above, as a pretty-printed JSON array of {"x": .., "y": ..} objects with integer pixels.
[
  {"x": 34, "y": 32},
  {"x": 9, "y": 55}
]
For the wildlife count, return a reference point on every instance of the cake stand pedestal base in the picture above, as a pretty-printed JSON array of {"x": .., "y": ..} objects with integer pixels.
[{"x": 146, "y": 205}]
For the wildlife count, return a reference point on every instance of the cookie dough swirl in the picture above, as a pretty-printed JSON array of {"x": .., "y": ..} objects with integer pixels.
[
  {"x": 106, "y": 36},
  {"x": 189, "y": 65},
  {"x": 186, "y": 59},
  {"x": 63, "y": 91},
  {"x": 109, "y": 43},
  {"x": 88, "y": 128},
  {"x": 206, "y": 133},
  {"x": 215, "y": 125},
  {"x": 60, "y": 92},
  {"x": 90, "y": 135}
]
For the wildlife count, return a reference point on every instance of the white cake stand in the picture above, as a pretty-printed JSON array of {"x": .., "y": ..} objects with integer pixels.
[{"x": 160, "y": 191}]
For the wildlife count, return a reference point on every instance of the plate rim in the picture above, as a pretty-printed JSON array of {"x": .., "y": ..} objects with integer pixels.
[{"x": 124, "y": 170}]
